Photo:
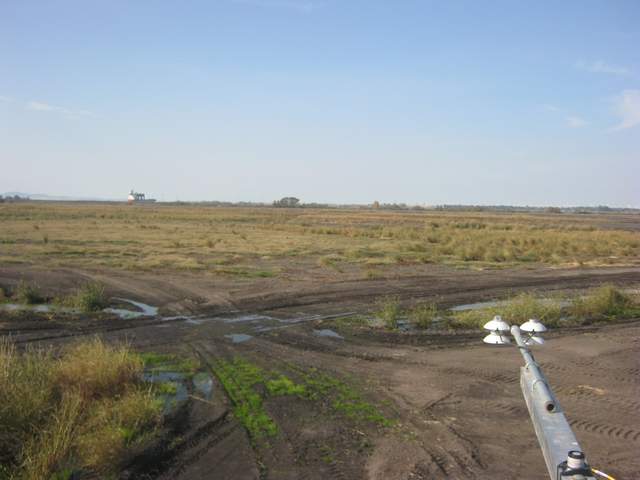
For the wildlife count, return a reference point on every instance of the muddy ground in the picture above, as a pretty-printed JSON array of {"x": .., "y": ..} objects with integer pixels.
[{"x": 456, "y": 404}]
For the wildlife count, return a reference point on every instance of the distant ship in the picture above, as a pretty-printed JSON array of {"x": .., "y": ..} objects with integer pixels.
[{"x": 135, "y": 197}]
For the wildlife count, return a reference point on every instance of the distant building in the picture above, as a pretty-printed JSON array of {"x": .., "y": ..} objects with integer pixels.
[{"x": 135, "y": 197}]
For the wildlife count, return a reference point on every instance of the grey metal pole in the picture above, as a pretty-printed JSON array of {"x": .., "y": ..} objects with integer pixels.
[{"x": 554, "y": 434}]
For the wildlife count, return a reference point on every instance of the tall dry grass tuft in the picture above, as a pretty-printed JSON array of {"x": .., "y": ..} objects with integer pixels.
[
  {"x": 95, "y": 369},
  {"x": 25, "y": 396},
  {"x": 90, "y": 298},
  {"x": 117, "y": 430},
  {"x": 389, "y": 311},
  {"x": 86, "y": 409},
  {"x": 606, "y": 300},
  {"x": 423, "y": 315},
  {"x": 49, "y": 449}
]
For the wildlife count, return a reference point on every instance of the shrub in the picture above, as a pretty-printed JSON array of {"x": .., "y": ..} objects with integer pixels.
[
  {"x": 90, "y": 298},
  {"x": 25, "y": 391},
  {"x": 116, "y": 427},
  {"x": 389, "y": 311},
  {"x": 524, "y": 306},
  {"x": 28, "y": 293},
  {"x": 606, "y": 300},
  {"x": 518, "y": 309},
  {"x": 423, "y": 315},
  {"x": 97, "y": 370},
  {"x": 48, "y": 451}
]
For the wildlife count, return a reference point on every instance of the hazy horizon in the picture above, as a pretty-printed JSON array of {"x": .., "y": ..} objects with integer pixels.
[{"x": 331, "y": 102}]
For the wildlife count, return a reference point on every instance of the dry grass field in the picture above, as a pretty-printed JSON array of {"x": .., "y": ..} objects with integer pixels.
[{"x": 265, "y": 242}]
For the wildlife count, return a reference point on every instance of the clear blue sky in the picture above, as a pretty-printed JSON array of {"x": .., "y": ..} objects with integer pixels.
[{"x": 328, "y": 100}]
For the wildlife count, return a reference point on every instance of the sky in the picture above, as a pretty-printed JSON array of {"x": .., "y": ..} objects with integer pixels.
[{"x": 337, "y": 101}]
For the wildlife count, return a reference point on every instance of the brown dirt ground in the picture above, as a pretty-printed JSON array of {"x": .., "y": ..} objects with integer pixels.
[{"x": 457, "y": 404}]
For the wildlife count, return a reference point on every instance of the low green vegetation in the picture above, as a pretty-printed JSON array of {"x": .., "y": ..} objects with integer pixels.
[
  {"x": 517, "y": 309},
  {"x": 342, "y": 397},
  {"x": 606, "y": 301},
  {"x": 248, "y": 386},
  {"x": 85, "y": 410},
  {"x": 239, "y": 377},
  {"x": 423, "y": 315},
  {"x": 166, "y": 362},
  {"x": 27, "y": 293},
  {"x": 89, "y": 298},
  {"x": 601, "y": 304},
  {"x": 389, "y": 311}
]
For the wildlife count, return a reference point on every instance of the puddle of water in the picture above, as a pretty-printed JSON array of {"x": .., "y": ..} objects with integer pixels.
[
  {"x": 193, "y": 321},
  {"x": 328, "y": 333},
  {"x": 40, "y": 308},
  {"x": 247, "y": 318},
  {"x": 12, "y": 307},
  {"x": 203, "y": 385},
  {"x": 175, "y": 378},
  {"x": 177, "y": 317},
  {"x": 475, "y": 306},
  {"x": 144, "y": 310},
  {"x": 123, "y": 313},
  {"x": 238, "y": 337},
  {"x": 498, "y": 303}
]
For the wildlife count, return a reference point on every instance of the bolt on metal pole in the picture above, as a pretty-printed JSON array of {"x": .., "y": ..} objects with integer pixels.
[{"x": 556, "y": 438}]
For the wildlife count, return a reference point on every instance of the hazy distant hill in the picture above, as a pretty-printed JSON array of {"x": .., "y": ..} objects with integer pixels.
[{"x": 61, "y": 198}]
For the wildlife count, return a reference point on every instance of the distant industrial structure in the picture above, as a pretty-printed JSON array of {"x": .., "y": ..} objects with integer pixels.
[{"x": 135, "y": 197}]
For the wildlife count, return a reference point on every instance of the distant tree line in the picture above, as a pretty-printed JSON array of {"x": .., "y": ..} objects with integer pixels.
[
  {"x": 287, "y": 202},
  {"x": 13, "y": 198}
]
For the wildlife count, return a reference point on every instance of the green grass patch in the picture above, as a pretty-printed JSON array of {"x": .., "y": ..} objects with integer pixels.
[
  {"x": 604, "y": 302},
  {"x": 423, "y": 315},
  {"x": 248, "y": 386},
  {"x": 284, "y": 386},
  {"x": 238, "y": 378},
  {"x": 517, "y": 309},
  {"x": 166, "y": 362},
  {"x": 165, "y": 388},
  {"x": 89, "y": 298},
  {"x": 389, "y": 311},
  {"x": 343, "y": 397},
  {"x": 28, "y": 293}
]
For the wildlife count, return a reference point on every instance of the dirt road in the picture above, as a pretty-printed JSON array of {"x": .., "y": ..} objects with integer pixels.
[{"x": 456, "y": 404}]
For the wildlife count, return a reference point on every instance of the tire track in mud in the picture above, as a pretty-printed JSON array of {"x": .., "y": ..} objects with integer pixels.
[
  {"x": 461, "y": 457},
  {"x": 201, "y": 441},
  {"x": 335, "y": 469},
  {"x": 615, "y": 432},
  {"x": 594, "y": 400},
  {"x": 590, "y": 369},
  {"x": 488, "y": 375},
  {"x": 430, "y": 286}
]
